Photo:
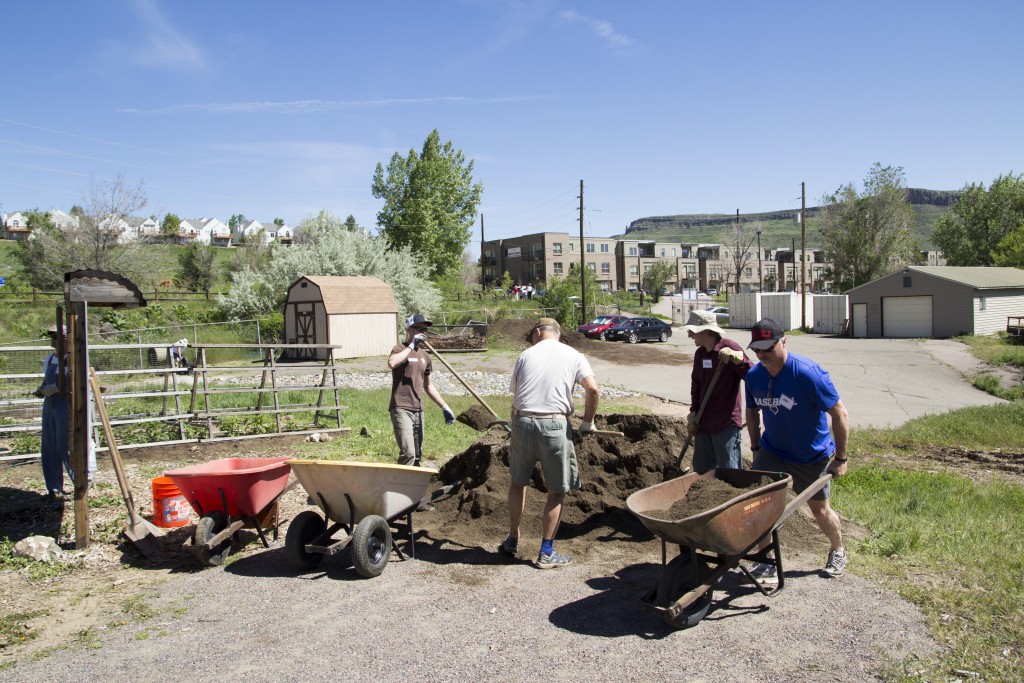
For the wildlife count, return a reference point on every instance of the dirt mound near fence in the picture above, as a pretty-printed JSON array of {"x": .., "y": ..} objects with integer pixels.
[
  {"x": 517, "y": 331},
  {"x": 611, "y": 468}
]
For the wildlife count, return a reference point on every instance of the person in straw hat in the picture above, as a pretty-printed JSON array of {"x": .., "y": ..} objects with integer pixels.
[{"x": 717, "y": 435}]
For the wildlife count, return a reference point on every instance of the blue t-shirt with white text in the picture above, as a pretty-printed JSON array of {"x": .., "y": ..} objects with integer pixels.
[{"x": 793, "y": 409}]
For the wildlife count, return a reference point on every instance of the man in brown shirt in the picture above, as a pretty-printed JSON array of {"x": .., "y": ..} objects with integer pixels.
[{"x": 410, "y": 378}]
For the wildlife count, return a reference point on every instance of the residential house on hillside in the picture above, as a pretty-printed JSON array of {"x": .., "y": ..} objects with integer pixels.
[
  {"x": 281, "y": 233},
  {"x": 252, "y": 232},
  {"x": 204, "y": 230},
  {"x": 141, "y": 228},
  {"x": 16, "y": 226}
]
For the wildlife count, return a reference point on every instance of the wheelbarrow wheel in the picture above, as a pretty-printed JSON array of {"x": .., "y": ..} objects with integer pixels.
[
  {"x": 306, "y": 526},
  {"x": 209, "y": 526},
  {"x": 371, "y": 546},
  {"x": 677, "y": 580}
]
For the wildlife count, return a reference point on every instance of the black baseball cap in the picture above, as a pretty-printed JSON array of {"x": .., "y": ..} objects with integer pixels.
[
  {"x": 765, "y": 334},
  {"x": 417, "y": 320}
]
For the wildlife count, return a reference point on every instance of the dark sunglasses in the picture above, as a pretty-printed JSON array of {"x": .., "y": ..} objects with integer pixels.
[{"x": 419, "y": 328}]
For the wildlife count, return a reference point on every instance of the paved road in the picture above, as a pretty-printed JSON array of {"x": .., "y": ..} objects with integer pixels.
[{"x": 883, "y": 382}]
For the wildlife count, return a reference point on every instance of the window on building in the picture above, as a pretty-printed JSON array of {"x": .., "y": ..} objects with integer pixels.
[
  {"x": 632, "y": 251},
  {"x": 906, "y": 281},
  {"x": 592, "y": 267},
  {"x": 557, "y": 266},
  {"x": 572, "y": 246},
  {"x": 663, "y": 252},
  {"x": 981, "y": 304},
  {"x": 606, "y": 268},
  {"x": 749, "y": 272},
  {"x": 647, "y": 267},
  {"x": 590, "y": 247},
  {"x": 632, "y": 271},
  {"x": 673, "y": 251},
  {"x": 556, "y": 248},
  {"x": 604, "y": 248}
]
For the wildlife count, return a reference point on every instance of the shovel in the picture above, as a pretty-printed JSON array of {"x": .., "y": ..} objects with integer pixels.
[
  {"x": 143, "y": 534},
  {"x": 466, "y": 384},
  {"x": 700, "y": 411}
]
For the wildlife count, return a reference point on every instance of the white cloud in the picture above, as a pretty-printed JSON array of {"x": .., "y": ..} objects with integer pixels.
[
  {"x": 155, "y": 43},
  {"x": 318, "y": 106},
  {"x": 600, "y": 28}
]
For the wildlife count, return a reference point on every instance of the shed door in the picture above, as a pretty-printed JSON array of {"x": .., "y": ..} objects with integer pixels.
[
  {"x": 860, "y": 321},
  {"x": 305, "y": 332},
  {"x": 907, "y": 316}
]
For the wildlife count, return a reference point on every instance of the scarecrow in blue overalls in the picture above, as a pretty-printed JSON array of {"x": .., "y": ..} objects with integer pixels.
[{"x": 56, "y": 456}]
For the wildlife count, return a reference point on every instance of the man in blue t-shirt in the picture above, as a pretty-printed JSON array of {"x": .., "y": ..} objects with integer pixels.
[{"x": 792, "y": 394}]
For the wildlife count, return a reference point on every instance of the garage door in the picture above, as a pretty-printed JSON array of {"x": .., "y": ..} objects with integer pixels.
[{"x": 907, "y": 316}]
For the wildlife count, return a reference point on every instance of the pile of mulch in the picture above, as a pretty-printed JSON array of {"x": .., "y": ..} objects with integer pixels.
[
  {"x": 611, "y": 468},
  {"x": 703, "y": 495}
]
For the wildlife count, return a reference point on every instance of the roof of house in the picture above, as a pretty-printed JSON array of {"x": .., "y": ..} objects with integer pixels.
[
  {"x": 979, "y": 277},
  {"x": 353, "y": 293},
  {"x": 976, "y": 277}
]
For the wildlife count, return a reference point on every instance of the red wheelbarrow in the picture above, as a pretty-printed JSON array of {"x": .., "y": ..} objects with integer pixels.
[
  {"x": 714, "y": 541},
  {"x": 230, "y": 494}
]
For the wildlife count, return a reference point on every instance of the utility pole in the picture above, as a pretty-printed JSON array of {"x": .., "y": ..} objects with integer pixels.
[
  {"x": 583, "y": 261},
  {"x": 736, "y": 252},
  {"x": 483, "y": 258},
  {"x": 760, "y": 278},
  {"x": 803, "y": 256},
  {"x": 793, "y": 254}
]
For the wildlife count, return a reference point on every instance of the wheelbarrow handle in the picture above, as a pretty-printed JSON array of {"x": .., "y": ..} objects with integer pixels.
[{"x": 700, "y": 412}]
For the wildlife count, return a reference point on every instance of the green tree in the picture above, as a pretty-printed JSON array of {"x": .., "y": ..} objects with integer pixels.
[
  {"x": 430, "y": 203},
  {"x": 42, "y": 271},
  {"x": 656, "y": 276},
  {"x": 329, "y": 249},
  {"x": 867, "y": 235},
  {"x": 350, "y": 223},
  {"x": 506, "y": 283},
  {"x": 170, "y": 227},
  {"x": 236, "y": 221},
  {"x": 971, "y": 232},
  {"x": 196, "y": 268},
  {"x": 279, "y": 222},
  {"x": 1010, "y": 250}
]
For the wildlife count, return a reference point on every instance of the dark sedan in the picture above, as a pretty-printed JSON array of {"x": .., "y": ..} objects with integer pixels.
[
  {"x": 640, "y": 329},
  {"x": 596, "y": 328}
]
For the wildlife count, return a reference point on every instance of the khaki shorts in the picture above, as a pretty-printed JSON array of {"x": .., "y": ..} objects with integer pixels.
[{"x": 549, "y": 441}]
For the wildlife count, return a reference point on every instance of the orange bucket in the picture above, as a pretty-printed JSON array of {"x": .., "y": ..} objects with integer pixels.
[{"x": 170, "y": 509}]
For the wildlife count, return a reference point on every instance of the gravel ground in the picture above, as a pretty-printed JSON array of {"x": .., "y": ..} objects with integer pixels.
[{"x": 455, "y": 615}]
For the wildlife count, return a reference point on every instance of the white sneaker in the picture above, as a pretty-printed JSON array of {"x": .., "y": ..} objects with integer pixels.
[
  {"x": 835, "y": 566},
  {"x": 765, "y": 574}
]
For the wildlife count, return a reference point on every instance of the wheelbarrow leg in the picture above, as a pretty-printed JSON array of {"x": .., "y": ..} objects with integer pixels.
[{"x": 770, "y": 555}]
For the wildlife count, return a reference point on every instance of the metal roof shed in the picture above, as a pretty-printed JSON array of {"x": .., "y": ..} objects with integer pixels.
[
  {"x": 937, "y": 301},
  {"x": 358, "y": 313}
]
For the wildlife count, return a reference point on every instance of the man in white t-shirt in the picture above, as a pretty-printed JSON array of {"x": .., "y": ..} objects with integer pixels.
[{"x": 542, "y": 383}]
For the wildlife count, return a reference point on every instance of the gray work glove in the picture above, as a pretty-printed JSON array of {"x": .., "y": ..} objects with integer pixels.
[
  {"x": 415, "y": 342},
  {"x": 691, "y": 424},
  {"x": 38, "y": 393},
  {"x": 586, "y": 428},
  {"x": 50, "y": 390},
  {"x": 728, "y": 355}
]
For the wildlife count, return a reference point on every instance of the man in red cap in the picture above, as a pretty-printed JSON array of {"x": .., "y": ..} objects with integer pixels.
[
  {"x": 792, "y": 395},
  {"x": 410, "y": 367}
]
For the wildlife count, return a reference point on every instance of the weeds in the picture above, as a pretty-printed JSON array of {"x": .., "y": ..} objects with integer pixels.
[
  {"x": 35, "y": 570},
  {"x": 14, "y": 628}
]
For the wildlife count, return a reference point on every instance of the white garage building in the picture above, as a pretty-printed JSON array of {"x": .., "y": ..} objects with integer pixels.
[{"x": 937, "y": 301}]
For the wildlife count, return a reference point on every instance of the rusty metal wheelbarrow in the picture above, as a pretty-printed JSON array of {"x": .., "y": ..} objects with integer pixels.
[{"x": 714, "y": 541}]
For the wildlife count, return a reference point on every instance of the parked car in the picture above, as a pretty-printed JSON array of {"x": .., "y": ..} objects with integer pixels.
[
  {"x": 597, "y": 327},
  {"x": 721, "y": 314},
  {"x": 639, "y": 329},
  {"x": 712, "y": 291}
]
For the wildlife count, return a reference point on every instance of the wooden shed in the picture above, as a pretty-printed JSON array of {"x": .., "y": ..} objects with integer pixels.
[
  {"x": 937, "y": 301},
  {"x": 358, "y": 313}
]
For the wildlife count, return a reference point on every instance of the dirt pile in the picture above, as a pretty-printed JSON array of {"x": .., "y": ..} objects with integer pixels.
[
  {"x": 611, "y": 468},
  {"x": 704, "y": 494},
  {"x": 476, "y": 417}
]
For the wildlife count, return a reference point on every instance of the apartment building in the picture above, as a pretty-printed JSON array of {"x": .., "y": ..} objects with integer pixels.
[{"x": 621, "y": 264}]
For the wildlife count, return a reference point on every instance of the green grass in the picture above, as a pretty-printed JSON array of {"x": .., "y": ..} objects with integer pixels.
[
  {"x": 996, "y": 349},
  {"x": 12, "y": 628},
  {"x": 954, "y": 547},
  {"x": 981, "y": 427},
  {"x": 949, "y": 544}
]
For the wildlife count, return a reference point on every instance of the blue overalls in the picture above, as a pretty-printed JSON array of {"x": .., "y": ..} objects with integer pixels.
[{"x": 55, "y": 453}]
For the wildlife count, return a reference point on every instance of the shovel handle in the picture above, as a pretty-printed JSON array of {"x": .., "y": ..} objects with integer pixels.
[
  {"x": 459, "y": 377},
  {"x": 115, "y": 455},
  {"x": 700, "y": 411}
]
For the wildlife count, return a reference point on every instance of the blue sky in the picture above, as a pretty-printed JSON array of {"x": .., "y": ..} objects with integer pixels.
[{"x": 280, "y": 109}]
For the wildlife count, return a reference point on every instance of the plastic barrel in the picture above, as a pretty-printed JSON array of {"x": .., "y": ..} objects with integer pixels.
[{"x": 170, "y": 509}]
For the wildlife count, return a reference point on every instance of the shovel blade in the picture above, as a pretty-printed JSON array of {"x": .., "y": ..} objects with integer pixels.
[{"x": 145, "y": 536}]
